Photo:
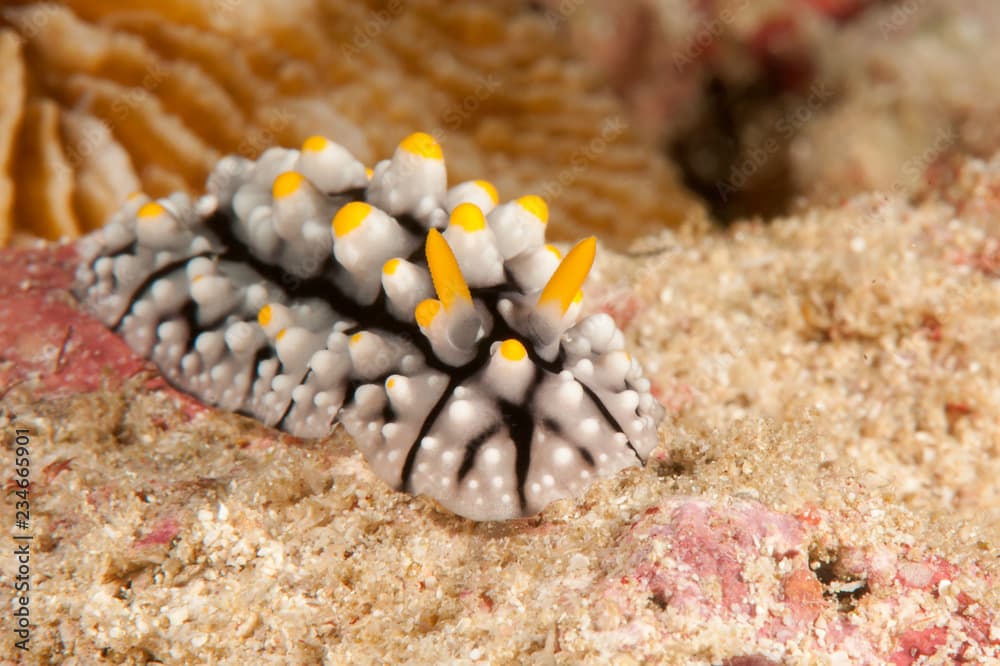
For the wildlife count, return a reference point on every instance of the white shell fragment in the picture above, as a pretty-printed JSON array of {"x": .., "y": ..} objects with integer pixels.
[{"x": 434, "y": 324}]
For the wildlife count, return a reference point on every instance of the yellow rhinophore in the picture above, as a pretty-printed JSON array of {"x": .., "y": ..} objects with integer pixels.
[
  {"x": 564, "y": 285},
  {"x": 448, "y": 282}
]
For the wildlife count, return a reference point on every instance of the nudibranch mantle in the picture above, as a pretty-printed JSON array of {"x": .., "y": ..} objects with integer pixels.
[{"x": 435, "y": 324}]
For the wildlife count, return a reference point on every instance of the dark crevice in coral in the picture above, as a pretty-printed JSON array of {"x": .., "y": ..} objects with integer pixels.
[
  {"x": 660, "y": 600},
  {"x": 736, "y": 155},
  {"x": 674, "y": 468},
  {"x": 839, "y": 584},
  {"x": 750, "y": 660},
  {"x": 737, "y": 179}
]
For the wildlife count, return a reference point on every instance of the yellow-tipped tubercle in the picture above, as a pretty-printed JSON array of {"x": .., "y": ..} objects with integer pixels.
[
  {"x": 350, "y": 218},
  {"x": 490, "y": 189},
  {"x": 426, "y": 311},
  {"x": 264, "y": 315},
  {"x": 286, "y": 184},
  {"x": 391, "y": 266},
  {"x": 423, "y": 145},
  {"x": 449, "y": 284},
  {"x": 569, "y": 276},
  {"x": 513, "y": 350},
  {"x": 535, "y": 205},
  {"x": 469, "y": 217},
  {"x": 150, "y": 210},
  {"x": 315, "y": 143}
]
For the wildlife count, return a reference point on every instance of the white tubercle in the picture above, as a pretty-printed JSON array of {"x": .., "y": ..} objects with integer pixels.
[
  {"x": 330, "y": 367},
  {"x": 158, "y": 228},
  {"x": 405, "y": 285},
  {"x": 519, "y": 225},
  {"x": 261, "y": 233},
  {"x": 243, "y": 338},
  {"x": 168, "y": 295},
  {"x": 509, "y": 371},
  {"x": 371, "y": 355},
  {"x": 249, "y": 198},
  {"x": 364, "y": 239},
  {"x": 295, "y": 345},
  {"x": 331, "y": 167},
  {"x": 274, "y": 318},
  {"x": 531, "y": 270},
  {"x": 611, "y": 369},
  {"x": 481, "y": 193},
  {"x": 414, "y": 181},
  {"x": 475, "y": 246},
  {"x": 214, "y": 295},
  {"x": 296, "y": 201},
  {"x": 210, "y": 345},
  {"x": 436, "y": 323},
  {"x": 269, "y": 165},
  {"x": 600, "y": 332},
  {"x": 228, "y": 175}
]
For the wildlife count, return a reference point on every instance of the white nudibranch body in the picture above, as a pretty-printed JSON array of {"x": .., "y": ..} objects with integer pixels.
[{"x": 435, "y": 324}]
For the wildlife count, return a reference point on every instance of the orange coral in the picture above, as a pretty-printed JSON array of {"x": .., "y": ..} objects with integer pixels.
[{"x": 108, "y": 97}]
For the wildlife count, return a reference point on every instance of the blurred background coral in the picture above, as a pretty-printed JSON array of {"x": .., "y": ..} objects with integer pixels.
[
  {"x": 113, "y": 96},
  {"x": 629, "y": 115}
]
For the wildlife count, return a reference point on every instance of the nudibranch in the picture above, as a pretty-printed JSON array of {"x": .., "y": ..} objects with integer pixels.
[{"x": 435, "y": 324}]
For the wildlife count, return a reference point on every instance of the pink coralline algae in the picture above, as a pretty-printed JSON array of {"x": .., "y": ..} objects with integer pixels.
[
  {"x": 690, "y": 563},
  {"x": 45, "y": 339}
]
